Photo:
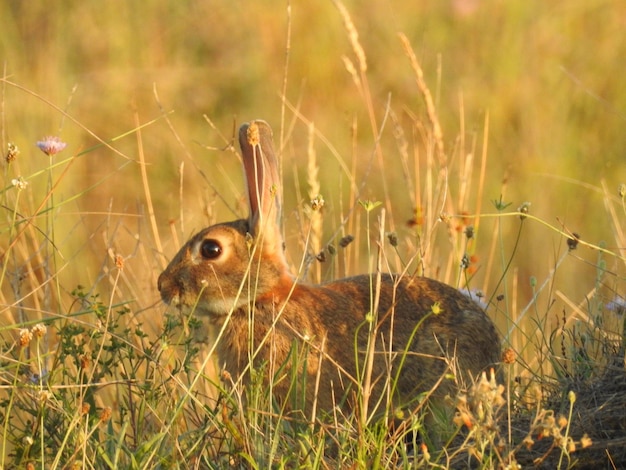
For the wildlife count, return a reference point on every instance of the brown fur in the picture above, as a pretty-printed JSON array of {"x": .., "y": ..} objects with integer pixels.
[{"x": 265, "y": 313}]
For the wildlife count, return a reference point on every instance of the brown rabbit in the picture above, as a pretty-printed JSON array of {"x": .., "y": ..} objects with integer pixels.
[{"x": 235, "y": 274}]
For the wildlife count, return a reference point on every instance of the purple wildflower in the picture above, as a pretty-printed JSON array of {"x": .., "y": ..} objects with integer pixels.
[
  {"x": 617, "y": 305},
  {"x": 51, "y": 145}
]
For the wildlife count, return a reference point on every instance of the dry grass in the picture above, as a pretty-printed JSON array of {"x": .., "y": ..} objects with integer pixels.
[{"x": 453, "y": 126}]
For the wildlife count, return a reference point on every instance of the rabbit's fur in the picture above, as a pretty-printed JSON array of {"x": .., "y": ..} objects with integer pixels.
[{"x": 235, "y": 274}]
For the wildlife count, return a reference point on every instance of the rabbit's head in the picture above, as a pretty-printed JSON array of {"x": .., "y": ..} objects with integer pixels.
[{"x": 222, "y": 266}]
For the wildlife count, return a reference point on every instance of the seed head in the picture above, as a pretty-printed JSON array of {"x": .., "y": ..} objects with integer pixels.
[
  {"x": 572, "y": 242},
  {"x": 465, "y": 261},
  {"x": 12, "y": 152},
  {"x": 508, "y": 356},
  {"x": 393, "y": 238},
  {"x": 25, "y": 337},
  {"x": 106, "y": 414},
  {"x": 39, "y": 330},
  {"x": 345, "y": 241},
  {"x": 119, "y": 262}
]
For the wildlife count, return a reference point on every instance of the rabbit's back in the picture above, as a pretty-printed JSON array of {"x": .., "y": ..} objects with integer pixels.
[{"x": 425, "y": 332}]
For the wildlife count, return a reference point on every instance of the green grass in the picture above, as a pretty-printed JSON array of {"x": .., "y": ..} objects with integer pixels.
[{"x": 519, "y": 102}]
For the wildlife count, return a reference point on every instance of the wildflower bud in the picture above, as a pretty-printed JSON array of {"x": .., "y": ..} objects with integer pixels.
[
  {"x": 331, "y": 249},
  {"x": 119, "y": 262},
  {"x": 85, "y": 408},
  {"x": 585, "y": 441},
  {"x": 533, "y": 281},
  {"x": 571, "y": 396},
  {"x": 508, "y": 356},
  {"x": 12, "y": 152},
  {"x": 469, "y": 232},
  {"x": 571, "y": 446},
  {"x": 106, "y": 414},
  {"x": 562, "y": 421},
  {"x": 321, "y": 256},
  {"x": 39, "y": 330},
  {"x": 25, "y": 337}
]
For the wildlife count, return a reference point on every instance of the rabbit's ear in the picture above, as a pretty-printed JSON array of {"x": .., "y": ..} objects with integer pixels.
[{"x": 263, "y": 180}]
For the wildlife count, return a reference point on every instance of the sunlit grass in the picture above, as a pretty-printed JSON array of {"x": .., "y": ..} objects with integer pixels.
[{"x": 518, "y": 103}]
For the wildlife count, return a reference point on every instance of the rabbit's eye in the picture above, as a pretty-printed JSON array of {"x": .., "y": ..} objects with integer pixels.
[{"x": 210, "y": 249}]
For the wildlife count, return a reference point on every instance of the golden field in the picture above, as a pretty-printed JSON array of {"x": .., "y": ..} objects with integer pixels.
[{"x": 452, "y": 114}]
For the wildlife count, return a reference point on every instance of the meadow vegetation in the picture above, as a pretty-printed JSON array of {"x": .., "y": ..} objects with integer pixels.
[{"x": 478, "y": 142}]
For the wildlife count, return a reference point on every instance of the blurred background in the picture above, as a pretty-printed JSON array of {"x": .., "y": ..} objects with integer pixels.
[{"x": 543, "y": 81}]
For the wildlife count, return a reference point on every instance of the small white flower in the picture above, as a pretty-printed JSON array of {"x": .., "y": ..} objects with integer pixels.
[{"x": 19, "y": 183}]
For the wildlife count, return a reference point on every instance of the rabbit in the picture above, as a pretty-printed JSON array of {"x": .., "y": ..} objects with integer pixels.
[{"x": 236, "y": 274}]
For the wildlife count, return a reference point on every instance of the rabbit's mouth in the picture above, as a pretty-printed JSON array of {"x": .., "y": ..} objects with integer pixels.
[{"x": 205, "y": 306}]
